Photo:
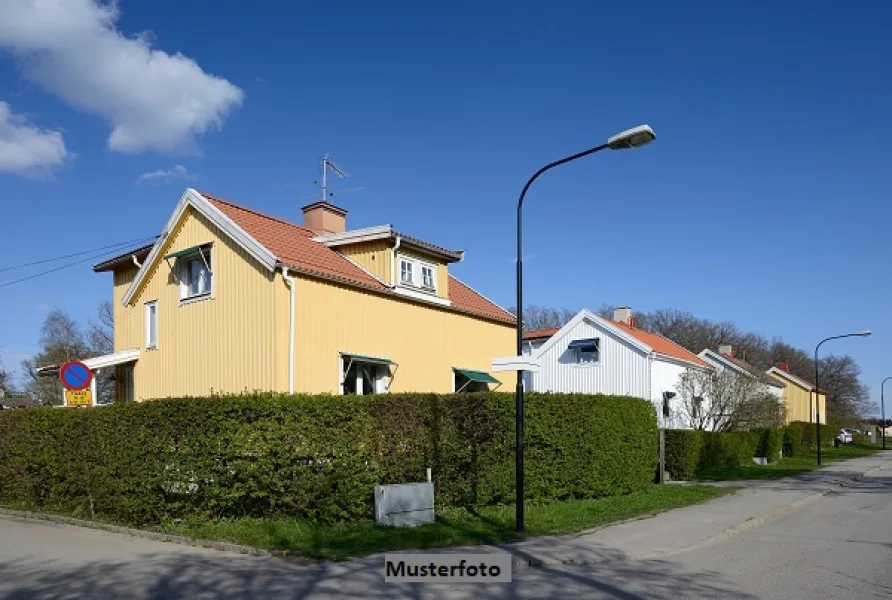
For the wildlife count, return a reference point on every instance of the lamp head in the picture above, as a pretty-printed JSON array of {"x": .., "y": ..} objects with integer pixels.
[{"x": 632, "y": 138}]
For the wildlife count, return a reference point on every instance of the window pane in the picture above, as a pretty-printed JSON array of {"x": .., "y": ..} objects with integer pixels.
[
  {"x": 406, "y": 272},
  {"x": 427, "y": 277}
]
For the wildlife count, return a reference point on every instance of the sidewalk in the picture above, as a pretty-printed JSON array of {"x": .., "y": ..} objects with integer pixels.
[{"x": 684, "y": 529}]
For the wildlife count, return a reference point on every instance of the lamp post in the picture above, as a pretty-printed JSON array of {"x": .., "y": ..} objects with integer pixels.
[
  {"x": 864, "y": 333},
  {"x": 631, "y": 138},
  {"x": 883, "y": 409}
]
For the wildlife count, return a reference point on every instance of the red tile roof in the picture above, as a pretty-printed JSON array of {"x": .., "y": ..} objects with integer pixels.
[
  {"x": 294, "y": 247},
  {"x": 662, "y": 345},
  {"x": 538, "y": 334}
]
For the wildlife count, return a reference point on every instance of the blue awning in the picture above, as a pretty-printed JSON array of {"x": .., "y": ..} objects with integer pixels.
[{"x": 586, "y": 345}]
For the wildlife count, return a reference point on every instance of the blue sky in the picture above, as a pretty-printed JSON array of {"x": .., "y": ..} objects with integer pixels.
[{"x": 762, "y": 200}]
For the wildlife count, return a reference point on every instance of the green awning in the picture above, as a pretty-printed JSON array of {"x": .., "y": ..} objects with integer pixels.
[
  {"x": 376, "y": 360},
  {"x": 478, "y": 376},
  {"x": 186, "y": 252}
]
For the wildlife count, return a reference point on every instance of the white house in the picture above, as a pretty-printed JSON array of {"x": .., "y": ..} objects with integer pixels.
[
  {"x": 725, "y": 359},
  {"x": 594, "y": 355}
]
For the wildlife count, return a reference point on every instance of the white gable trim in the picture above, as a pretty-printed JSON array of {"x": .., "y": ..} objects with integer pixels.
[
  {"x": 600, "y": 323},
  {"x": 709, "y": 356},
  {"x": 214, "y": 215},
  {"x": 801, "y": 382}
]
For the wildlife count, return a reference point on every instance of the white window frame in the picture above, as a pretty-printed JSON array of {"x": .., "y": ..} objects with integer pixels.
[
  {"x": 206, "y": 256},
  {"x": 417, "y": 266},
  {"x": 151, "y": 307}
]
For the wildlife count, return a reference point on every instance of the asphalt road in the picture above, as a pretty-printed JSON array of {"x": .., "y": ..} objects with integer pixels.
[{"x": 838, "y": 547}]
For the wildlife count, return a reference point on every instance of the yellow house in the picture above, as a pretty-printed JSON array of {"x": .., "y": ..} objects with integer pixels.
[
  {"x": 799, "y": 396},
  {"x": 228, "y": 299}
]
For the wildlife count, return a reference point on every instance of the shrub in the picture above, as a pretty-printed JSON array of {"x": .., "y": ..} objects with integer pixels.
[
  {"x": 828, "y": 432},
  {"x": 770, "y": 442},
  {"x": 792, "y": 441},
  {"x": 682, "y": 449},
  {"x": 318, "y": 457}
]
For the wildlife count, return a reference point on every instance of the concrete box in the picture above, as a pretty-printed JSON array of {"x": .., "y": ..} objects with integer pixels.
[{"x": 404, "y": 504}]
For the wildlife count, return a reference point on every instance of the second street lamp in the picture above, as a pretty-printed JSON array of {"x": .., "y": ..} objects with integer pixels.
[
  {"x": 883, "y": 410},
  {"x": 864, "y": 333},
  {"x": 631, "y": 138}
]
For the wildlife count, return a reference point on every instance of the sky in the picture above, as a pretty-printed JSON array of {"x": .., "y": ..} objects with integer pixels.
[{"x": 763, "y": 200}]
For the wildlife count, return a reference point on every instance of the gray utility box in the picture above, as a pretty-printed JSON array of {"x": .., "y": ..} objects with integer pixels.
[{"x": 404, "y": 504}]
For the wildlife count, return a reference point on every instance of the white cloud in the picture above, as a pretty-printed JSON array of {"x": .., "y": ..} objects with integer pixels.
[
  {"x": 152, "y": 100},
  {"x": 162, "y": 176},
  {"x": 27, "y": 149}
]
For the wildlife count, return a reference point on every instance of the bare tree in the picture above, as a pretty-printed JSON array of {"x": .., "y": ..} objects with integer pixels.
[
  {"x": 726, "y": 401},
  {"x": 101, "y": 340},
  {"x": 694, "y": 388},
  {"x": 543, "y": 317},
  {"x": 61, "y": 339},
  {"x": 5, "y": 382}
]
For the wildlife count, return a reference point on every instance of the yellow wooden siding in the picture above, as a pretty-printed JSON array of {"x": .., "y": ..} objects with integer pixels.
[
  {"x": 443, "y": 280},
  {"x": 799, "y": 402},
  {"x": 426, "y": 342},
  {"x": 374, "y": 257},
  {"x": 235, "y": 340},
  {"x": 129, "y": 326}
]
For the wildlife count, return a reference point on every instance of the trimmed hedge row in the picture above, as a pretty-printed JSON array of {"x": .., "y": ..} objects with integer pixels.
[
  {"x": 319, "y": 457},
  {"x": 689, "y": 452},
  {"x": 792, "y": 441},
  {"x": 809, "y": 435}
]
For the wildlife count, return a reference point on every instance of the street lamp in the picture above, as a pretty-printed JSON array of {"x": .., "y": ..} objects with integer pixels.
[
  {"x": 883, "y": 409},
  {"x": 864, "y": 333},
  {"x": 630, "y": 138}
]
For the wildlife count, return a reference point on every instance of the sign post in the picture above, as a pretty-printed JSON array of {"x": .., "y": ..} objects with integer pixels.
[{"x": 77, "y": 379}]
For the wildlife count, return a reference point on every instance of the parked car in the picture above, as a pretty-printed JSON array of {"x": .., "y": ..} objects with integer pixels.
[{"x": 844, "y": 437}]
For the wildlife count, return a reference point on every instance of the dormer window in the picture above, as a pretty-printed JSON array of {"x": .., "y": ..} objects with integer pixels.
[
  {"x": 427, "y": 277},
  {"x": 406, "y": 272},
  {"x": 418, "y": 274}
]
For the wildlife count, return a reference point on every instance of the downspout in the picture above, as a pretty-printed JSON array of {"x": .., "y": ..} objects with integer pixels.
[
  {"x": 393, "y": 265},
  {"x": 136, "y": 262},
  {"x": 293, "y": 292},
  {"x": 650, "y": 384}
]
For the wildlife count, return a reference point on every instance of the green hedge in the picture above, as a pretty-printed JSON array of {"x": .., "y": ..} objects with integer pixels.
[
  {"x": 792, "y": 441},
  {"x": 809, "y": 435},
  {"x": 690, "y": 452},
  {"x": 682, "y": 448},
  {"x": 770, "y": 444},
  {"x": 319, "y": 457}
]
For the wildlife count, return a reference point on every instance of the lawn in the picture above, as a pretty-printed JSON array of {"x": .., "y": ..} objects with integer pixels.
[
  {"x": 454, "y": 527},
  {"x": 788, "y": 467}
]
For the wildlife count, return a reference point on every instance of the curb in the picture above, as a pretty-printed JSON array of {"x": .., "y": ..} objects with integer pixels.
[
  {"x": 730, "y": 532},
  {"x": 22, "y": 515}
]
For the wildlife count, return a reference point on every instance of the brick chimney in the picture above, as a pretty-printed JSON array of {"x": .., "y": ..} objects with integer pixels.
[
  {"x": 622, "y": 314},
  {"x": 783, "y": 366},
  {"x": 726, "y": 350},
  {"x": 322, "y": 217}
]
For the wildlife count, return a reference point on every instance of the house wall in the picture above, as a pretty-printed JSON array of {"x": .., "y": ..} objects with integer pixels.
[
  {"x": 235, "y": 340},
  {"x": 623, "y": 368},
  {"x": 799, "y": 402},
  {"x": 665, "y": 379},
  {"x": 374, "y": 256},
  {"x": 425, "y": 341}
]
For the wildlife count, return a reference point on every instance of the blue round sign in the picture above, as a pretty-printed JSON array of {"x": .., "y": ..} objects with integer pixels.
[{"x": 75, "y": 376}]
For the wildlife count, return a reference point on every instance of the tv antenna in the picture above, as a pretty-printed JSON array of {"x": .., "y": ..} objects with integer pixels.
[{"x": 328, "y": 164}]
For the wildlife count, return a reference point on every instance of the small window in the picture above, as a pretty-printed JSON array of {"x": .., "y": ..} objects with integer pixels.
[
  {"x": 696, "y": 407},
  {"x": 667, "y": 411},
  {"x": 405, "y": 271},
  {"x": 427, "y": 277},
  {"x": 151, "y": 324},
  {"x": 586, "y": 351},
  {"x": 196, "y": 277}
]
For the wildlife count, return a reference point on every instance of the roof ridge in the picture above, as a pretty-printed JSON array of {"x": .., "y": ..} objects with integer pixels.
[{"x": 255, "y": 212}]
